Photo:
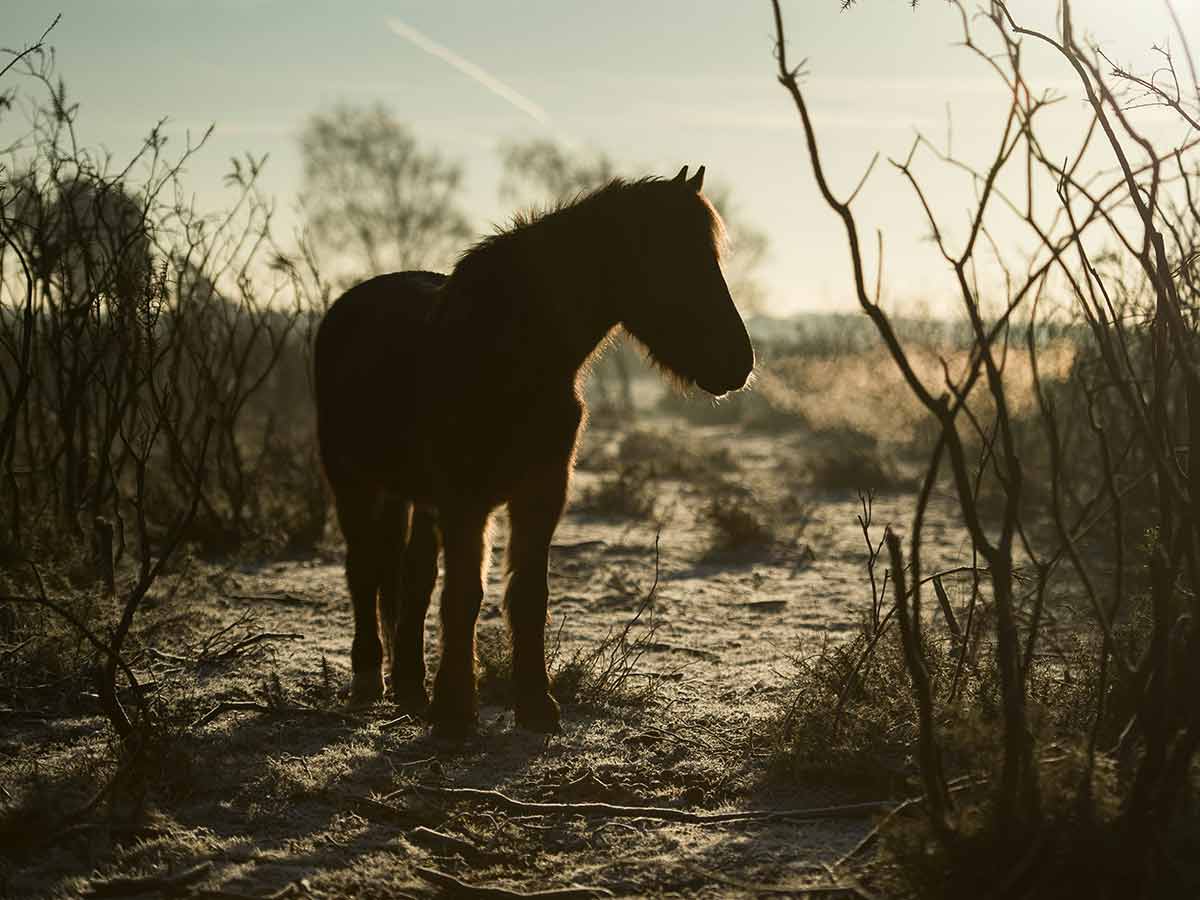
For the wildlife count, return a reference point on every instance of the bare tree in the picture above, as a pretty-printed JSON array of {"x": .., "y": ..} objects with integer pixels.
[
  {"x": 541, "y": 170},
  {"x": 373, "y": 198}
]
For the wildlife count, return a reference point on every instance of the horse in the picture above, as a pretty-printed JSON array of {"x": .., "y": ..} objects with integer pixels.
[{"x": 441, "y": 398}]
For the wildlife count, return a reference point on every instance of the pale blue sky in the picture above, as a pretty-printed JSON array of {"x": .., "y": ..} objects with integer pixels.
[{"x": 654, "y": 84}]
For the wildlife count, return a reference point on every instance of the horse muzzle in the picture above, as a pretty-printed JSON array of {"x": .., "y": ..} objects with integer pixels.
[
  {"x": 722, "y": 386},
  {"x": 729, "y": 378}
]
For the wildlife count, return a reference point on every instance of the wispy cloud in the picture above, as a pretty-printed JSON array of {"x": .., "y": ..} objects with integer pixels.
[{"x": 468, "y": 68}]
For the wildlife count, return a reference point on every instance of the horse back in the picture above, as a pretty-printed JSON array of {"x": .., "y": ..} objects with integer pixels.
[{"x": 373, "y": 360}]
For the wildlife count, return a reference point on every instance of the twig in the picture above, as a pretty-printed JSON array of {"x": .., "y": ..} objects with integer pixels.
[
  {"x": 234, "y": 650},
  {"x": 15, "y": 649},
  {"x": 880, "y": 630},
  {"x": 32, "y": 48},
  {"x": 253, "y": 639},
  {"x": 960, "y": 783},
  {"x": 461, "y": 889},
  {"x": 396, "y": 722},
  {"x": 442, "y": 841},
  {"x": 415, "y": 762},
  {"x": 873, "y": 835},
  {"x": 947, "y": 609},
  {"x": 283, "y": 597},
  {"x": 225, "y": 706},
  {"x": 231, "y": 706},
  {"x": 659, "y": 813},
  {"x": 381, "y": 812}
]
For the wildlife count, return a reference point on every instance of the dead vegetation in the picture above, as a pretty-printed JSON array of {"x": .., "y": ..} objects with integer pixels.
[
  {"x": 628, "y": 492},
  {"x": 1020, "y": 789}
]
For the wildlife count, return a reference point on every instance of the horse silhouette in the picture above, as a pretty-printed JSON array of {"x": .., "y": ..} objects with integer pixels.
[{"x": 440, "y": 398}]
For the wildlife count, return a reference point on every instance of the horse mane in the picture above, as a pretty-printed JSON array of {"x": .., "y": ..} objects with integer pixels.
[{"x": 626, "y": 196}]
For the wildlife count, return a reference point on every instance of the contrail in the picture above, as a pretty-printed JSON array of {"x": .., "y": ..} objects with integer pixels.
[{"x": 468, "y": 68}]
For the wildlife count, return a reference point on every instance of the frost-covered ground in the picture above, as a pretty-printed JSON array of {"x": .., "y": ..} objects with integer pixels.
[{"x": 298, "y": 795}]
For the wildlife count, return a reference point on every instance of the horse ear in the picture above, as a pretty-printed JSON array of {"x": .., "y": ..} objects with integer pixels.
[
  {"x": 681, "y": 177},
  {"x": 696, "y": 182}
]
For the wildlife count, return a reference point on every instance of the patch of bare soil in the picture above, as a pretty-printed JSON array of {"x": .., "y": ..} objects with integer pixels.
[{"x": 271, "y": 786}]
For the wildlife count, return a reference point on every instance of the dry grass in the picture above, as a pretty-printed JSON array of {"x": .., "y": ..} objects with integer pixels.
[
  {"x": 738, "y": 522},
  {"x": 626, "y": 492}
]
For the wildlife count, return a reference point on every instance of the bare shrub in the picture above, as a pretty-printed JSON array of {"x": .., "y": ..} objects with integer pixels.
[
  {"x": 739, "y": 522},
  {"x": 125, "y": 312},
  {"x": 849, "y": 460},
  {"x": 627, "y": 492},
  {"x": 668, "y": 456},
  {"x": 151, "y": 359},
  {"x": 1114, "y": 413},
  {"x": 603, "y": 676},
  {"x": 607, "y": 675}
]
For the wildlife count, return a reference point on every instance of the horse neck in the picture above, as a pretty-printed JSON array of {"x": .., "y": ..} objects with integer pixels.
[{"x": 560, "y": 296}]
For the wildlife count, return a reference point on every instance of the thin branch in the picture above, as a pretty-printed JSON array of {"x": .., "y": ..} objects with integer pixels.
[{"x": 657, "y": 813}]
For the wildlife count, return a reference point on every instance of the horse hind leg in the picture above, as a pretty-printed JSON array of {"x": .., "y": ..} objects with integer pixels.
[
  {"x": 364, "y": 576},
  {"x": 393, "y": 528},
  {"x": 418, "y": 574}
]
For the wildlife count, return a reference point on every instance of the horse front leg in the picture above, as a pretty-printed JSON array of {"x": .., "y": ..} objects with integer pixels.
[
  {"x": 455, "y": 707},
  {"x": 534, "y": 514}
]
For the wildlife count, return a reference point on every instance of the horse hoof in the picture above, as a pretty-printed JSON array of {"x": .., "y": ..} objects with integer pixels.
[
  {"x": 365, "y": 688},
  {"x": 450, "y": 723},
  {"x": 540, "y": 714},
  {"x": 411, "y": 698},
  {"x": 456, "y": 730},
  {"x": 452, "y": 727}
]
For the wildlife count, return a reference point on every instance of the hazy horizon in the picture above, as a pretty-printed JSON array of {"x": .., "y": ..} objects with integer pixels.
[{"x": 653, "y": 86}]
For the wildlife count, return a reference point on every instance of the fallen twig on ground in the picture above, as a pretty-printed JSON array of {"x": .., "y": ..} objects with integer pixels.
[
  {"x": 236, "y": 649},
  {"x": 441, "y": 841},
  {"x": 873, "y": 835},
  {"x": 253, "y": 639},
  {"x": 379, "y": 811},
  {"x": 282, "y": 597},
  {"x": 960, "y": 783},
  {"x": 232, "y": 706},
  {"x": 663, "y": 814},
  {"x": 15, "y": 649},
  {"x": 405, "y": 719},
  {"x": 462, "y": 889},
  {"x": 415, "y": 762},
  {"x": 225, "y": 706}
]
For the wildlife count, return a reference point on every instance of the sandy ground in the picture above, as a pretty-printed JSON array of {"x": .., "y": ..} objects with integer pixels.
[{"x": 318, "y": 803}]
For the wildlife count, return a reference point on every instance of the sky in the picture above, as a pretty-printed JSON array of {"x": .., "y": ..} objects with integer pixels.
[{"x": 655, "y": 84}]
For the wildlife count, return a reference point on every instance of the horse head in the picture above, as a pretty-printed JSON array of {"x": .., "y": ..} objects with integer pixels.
[{"x": 679, "y": 306}]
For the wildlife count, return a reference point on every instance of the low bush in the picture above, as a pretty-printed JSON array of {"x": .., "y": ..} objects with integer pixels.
[{"x": 626, "y": 492}]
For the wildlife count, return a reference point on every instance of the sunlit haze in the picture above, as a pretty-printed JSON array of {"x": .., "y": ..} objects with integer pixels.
[{"x": 654, "y": 85}]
